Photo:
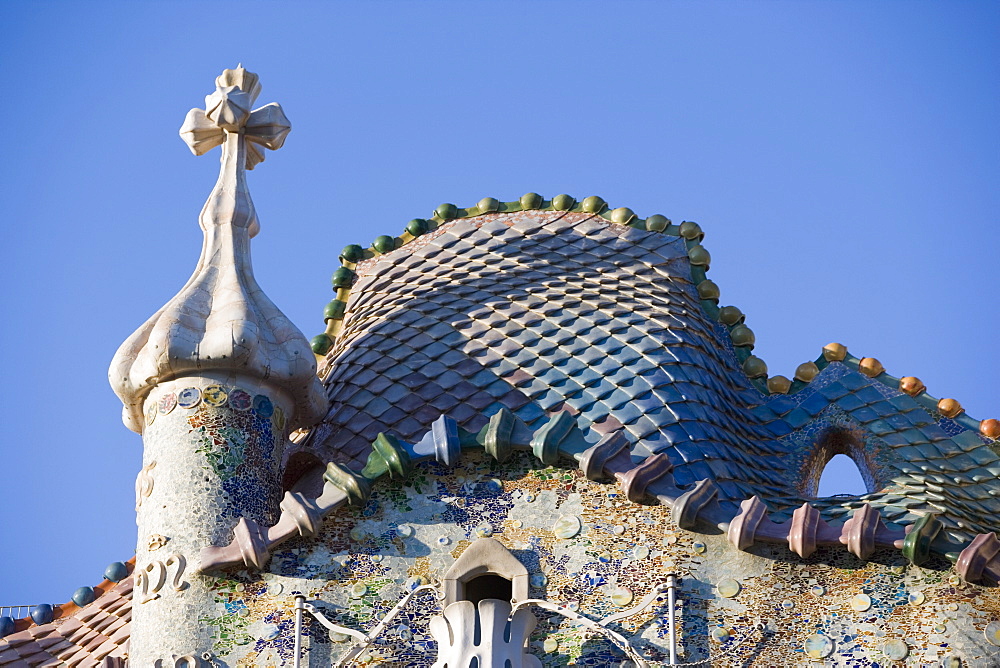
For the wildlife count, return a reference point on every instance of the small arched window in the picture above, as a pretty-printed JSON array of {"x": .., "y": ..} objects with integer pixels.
[
  {"x": 841, "y": 476},
  {"x": 838, "y": 464}
]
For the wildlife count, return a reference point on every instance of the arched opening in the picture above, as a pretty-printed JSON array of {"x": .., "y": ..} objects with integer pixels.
[
  {"x": 488, "y": 586},
  {"x": 837, "y": 465},
  {"x": 841, "y": 476}
]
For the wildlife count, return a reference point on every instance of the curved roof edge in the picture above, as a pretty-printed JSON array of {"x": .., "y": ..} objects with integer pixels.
[{"x": 731, "y": 317}]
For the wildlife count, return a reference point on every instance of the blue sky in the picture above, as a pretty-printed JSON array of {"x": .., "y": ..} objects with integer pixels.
[{"x": 843, "y": 158}]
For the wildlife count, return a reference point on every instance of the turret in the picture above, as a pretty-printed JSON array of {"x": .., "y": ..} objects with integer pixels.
[{"x": 214, "y": 382}]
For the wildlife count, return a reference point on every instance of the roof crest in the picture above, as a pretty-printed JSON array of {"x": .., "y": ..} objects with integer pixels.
[{"x": 741, "y": 336}]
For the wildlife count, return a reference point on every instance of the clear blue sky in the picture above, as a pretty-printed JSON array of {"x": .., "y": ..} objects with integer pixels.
[{"x": 843, "y": 157}]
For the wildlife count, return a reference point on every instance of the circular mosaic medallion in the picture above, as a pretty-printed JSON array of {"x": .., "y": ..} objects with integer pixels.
[
  {"x": 494, "y": 485},
  {"x": 359, "y": 590},
  {"x": 817, "y": 590},
  {"x": 189, "y": 397},
  {"x": 622, "y": 596},
  {"x": 443, "y": 540},
  {"x": 405, "y": 530},
  {"x": 167, "y": 403},
  {"x": 787, "y": 604},
  {"x": 275, "y": 588},
  {"x": 952, "y": 607},
  {"x": 214, "y": 395},
  {"x": 240, "y": 400},
  {"x": 954, "y": 580},
  {"x": 720, "y": 634},
  {"x": 861, "y": 602},
  {"x": 895, "y": 650},
  {"x": 818, "y": 646},
  {"x": 605, "y": 557},
  {"x": 618, "y": 530},
  {"x": 992, "y": 632},
  {"x": 528, "y": 498},
  {"x": 550, "y": 645},
  {"x": 916, "y": 598},
  {"x": 404, "y": 632},
  {"x": 262, "y": 406},
  {"x": 151, "y": 414},
  {"x": 940, "y": 628},
  {"x": 640, "y": 552},
  {"x": 698, "y": 547},
  {"x": 270, "y": 632},
  {"x": 951, "y": 662},
  {"x": 567, "y": 526},
  {"x": 516, "y": 524},
  {"x": 728, "y": 588},
  {"x": 573, "y": 605},
  {"x": 538, "y": 580},
  {"x": 484, "y": 530},
  {"x": 338, "y": 637},
  {"x": 377, "y": 558},
  {"x": 358, "y": 534}
]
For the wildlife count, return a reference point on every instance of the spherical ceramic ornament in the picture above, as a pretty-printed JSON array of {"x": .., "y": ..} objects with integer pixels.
[
  {"x": 42, "y": 613},
  {"x": 6, "y": 626},
  {"x": 951, "y": 662},
  {"x": 404, "y": 530},
  {"x": 640, "y": 552},
  {"x": 895, "y": 650},
  {"x": 618, "y": 530},
  {"x": 605, "y": 557},
  {"x": 83, "y": 596},
  {"x": 240, "y": 400},
  {"x": 940, "y": 628},
  {"x": 698, "y": 547},
  {"x": 817, "y": 590},
  {"x": 359, "y": 590},
  {"x": 818, "y": 646},
  {"x": 916, "y": 598},
  {"x": 720, "y": 634},
  {"x": 338, "y": 637},
  {"x": 275, "y": 588},
  {"x": 484, "y": 530},
  {"x": 992, "y": 632},
  {"x": 787, "y": 604},
  {"x": 116, "y": 571},
  {"x": 861, "y": 602},
  {"x": 189, "y": 397},
  {"x": 728, "y": 588},
  {"x": 550, "y": 645},
  {"x": 567, "y": 526},
  {"x": 538, "y": 580}
]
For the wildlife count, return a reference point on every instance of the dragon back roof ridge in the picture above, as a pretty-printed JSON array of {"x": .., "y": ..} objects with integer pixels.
[{"x": 546, "y": 308}]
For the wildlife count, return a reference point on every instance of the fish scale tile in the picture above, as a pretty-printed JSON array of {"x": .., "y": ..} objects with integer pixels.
[{"x": 538, "y": 311}]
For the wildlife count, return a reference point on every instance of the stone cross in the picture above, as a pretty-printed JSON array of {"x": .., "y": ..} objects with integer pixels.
[{"x": 227, "y": 110}]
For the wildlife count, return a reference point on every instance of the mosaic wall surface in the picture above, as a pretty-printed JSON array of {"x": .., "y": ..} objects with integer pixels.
[
  {"x": 586, "y": 547},
  {"x": 212, "y": 453}
]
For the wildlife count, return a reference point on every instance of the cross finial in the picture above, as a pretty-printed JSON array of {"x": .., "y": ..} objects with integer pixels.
[{"x": 227, "y": 110}]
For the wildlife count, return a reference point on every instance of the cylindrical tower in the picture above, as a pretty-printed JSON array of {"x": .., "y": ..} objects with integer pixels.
[{"x": 214, "y": 381}]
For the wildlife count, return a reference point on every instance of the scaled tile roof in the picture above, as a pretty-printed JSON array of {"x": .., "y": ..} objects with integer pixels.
[
  {"x": 542, "y": 307},
  {"x": 96, "y": 634}
]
